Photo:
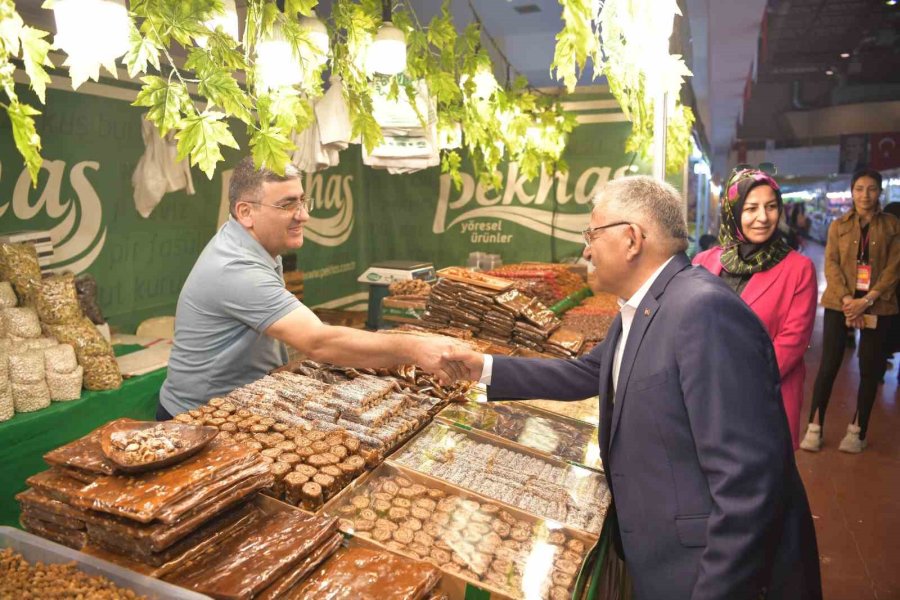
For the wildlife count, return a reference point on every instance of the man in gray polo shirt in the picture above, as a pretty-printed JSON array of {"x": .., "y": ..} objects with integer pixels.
[{"x": 234, "y": 315}]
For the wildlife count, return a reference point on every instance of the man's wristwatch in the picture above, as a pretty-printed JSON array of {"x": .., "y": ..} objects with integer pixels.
[{"x": 868, "y": 300}]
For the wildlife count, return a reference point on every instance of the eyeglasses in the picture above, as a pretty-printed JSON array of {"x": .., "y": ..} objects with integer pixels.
[
  {"x": 590, "y": 231},
  {"x": 293, "y": 206},
  {"x": 766, "y": 167}
]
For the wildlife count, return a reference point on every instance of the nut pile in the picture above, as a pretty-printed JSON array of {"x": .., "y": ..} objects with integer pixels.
[
  {"x": 310, "y": 465},
  {"x": 146, "y": 445},
  {"x": 20, "y": 579},
  {"x": 568, "y": 494},
  {"x": 479, "y": 541}
]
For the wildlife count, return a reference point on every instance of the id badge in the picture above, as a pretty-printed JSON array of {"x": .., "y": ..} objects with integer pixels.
[{"x": 863, "y": 277}]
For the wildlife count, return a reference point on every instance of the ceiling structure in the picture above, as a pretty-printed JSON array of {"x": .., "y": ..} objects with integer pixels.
[{"x": 788, "y": 45}]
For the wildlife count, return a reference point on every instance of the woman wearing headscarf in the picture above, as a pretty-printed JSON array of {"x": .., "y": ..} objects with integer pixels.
[
  {"x": 862, "y": 266},
  {"x": 779, "y": 284}
]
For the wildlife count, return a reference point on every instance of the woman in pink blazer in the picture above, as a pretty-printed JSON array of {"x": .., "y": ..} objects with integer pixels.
[{"x": 779, "y": 284}]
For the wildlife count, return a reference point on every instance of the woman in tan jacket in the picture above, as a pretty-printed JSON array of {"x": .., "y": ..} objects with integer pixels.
[{"x": 862, "y": 265}]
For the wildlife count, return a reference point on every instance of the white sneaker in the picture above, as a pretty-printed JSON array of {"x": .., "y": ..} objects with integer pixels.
[
  {"x": 851, "y": 442},
  {"x": 812, "y": 441}
]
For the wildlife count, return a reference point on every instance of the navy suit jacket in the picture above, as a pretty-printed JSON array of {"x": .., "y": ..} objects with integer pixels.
[{"x": 695, "y": 445}]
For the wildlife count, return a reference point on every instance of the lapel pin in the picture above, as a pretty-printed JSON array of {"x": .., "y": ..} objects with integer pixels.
[{"x": 646, "y": 312}]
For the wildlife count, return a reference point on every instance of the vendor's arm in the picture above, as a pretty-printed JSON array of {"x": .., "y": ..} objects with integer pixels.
[{"x": 321, "y": 342}]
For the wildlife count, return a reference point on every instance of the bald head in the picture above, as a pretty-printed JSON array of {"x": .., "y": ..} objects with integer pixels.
[{"x": 652, "y": 204}]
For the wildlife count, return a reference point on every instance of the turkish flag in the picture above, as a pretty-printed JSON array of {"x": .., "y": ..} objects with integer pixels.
[{"x": 884, "y": 151}]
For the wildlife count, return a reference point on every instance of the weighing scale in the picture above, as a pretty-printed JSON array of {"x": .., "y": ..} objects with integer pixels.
[{"x": 381, "y": 274}]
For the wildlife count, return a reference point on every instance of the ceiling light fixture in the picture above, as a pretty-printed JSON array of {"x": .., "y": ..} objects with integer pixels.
[
  {"x": 77, "y": 24},
  {"x": 891, "y": 2},
  {"x": 484, "y": 80},
  {"x": 845, "y": 55},
  {"x": 276, "y": 65},
  {"x": 829, "y": 72},
  {"x": 387, "y": 55}
]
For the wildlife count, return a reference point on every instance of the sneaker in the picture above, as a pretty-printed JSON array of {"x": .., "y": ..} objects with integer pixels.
[
  {"x": 812, "y": 441},
  {"x": 851, "y": 442}
]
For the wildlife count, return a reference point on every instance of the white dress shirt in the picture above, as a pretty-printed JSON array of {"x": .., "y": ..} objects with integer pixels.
[{"x": 627, "y": 309}]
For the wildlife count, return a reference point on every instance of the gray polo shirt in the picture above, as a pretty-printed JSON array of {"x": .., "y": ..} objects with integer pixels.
[{"x": 232, "y": 295}]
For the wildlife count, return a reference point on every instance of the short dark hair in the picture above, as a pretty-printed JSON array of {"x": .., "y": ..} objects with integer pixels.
[
  {"x": 247, "y": 181},
  {"x": 871, "y": 173}
]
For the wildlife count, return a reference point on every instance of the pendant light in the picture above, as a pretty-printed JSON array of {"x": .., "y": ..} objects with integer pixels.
[
  {"x": 77, "y": 25},
  {"x": 276, "y": 65},
  {"x": 387, "y": 55},
  {"x": 227, "y": 20}
]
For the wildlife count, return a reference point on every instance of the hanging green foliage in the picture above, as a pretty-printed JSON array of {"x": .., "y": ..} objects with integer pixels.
[
  {"x": 25, "y": 43},
  {"x": 219, "y": 83},
  {"x": 617, "y": 36}
]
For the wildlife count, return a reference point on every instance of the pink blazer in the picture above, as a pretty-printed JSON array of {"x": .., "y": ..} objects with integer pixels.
[{"x": 784, "y": 299}]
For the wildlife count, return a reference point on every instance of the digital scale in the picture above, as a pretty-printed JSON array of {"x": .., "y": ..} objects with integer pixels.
[{"x": 382, "y": 274}]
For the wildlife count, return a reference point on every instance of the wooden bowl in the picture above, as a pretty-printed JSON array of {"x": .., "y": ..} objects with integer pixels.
[{"x": 193, "y": 437}]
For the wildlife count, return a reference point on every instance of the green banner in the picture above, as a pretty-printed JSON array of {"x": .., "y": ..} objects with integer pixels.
[{"x": 92, "y": 144}]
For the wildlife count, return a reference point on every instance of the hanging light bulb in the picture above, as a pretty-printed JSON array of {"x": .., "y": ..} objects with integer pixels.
[
  {"x": 318, "y": 35},
  {"x": 387, "y": 55},
  {"x": 484, "y": 80},
  {"x": 227, "y": 20},
  {"x": 276, "y": 65},
  {"x": 77, "y": 24}
]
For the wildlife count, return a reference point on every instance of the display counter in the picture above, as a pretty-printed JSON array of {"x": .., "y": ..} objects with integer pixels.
[{"x": 28, "y": 436}]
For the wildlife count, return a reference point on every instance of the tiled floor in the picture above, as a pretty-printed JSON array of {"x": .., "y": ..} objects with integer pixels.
[{"x": 855, "y": 499}]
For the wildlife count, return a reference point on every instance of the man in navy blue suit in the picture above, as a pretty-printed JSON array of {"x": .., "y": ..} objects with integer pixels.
[{"x": 694, "y": 438}]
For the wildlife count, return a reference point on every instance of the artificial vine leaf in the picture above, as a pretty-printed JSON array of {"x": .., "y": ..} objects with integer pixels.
[
  {"x": 304, "y": 7},
  {"x": 166, "y": 99},
  {"x": 577, "y": 42},
  {"x": 271, "y": 149},
  {"x": 34, "y": 55},
  {"x": 221, "y": 89},
  {"x": 141, "y": 52},
  {"x": 10, "y": 26},
  {"x": 27, "y": 140},
  {"x": 200, "y": 136}
]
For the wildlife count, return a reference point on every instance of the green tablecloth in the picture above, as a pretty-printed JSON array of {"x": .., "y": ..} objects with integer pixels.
[{"x": 26, "y": 437}]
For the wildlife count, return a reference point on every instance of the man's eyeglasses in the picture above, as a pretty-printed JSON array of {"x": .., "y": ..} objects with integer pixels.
[
  {"x": 291, "y": 207},
  {"x": 766, "y": 167},
  {"x": 590, "y": 231}
]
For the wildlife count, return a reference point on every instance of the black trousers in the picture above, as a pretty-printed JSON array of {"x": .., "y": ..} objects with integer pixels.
[
  {"x": 871, "y": 366},
  {"x": 162, "y": 414}
]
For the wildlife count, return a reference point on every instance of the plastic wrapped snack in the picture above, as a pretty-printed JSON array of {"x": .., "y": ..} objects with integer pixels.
[
  {"x": 82, "y": 335},
  {"x": 22, "y": 322},
  {"x": 29, "y": 397},
  {"x": 60, "y": 359},
  {"x": 86, "y": 286},
  {"x": 65, "y": 386},
  {"x": 101, "y": 372},
  {"x": 26, "y": 367},
  {"x": 41, "y": 343},
  {"x": 7, "y": 409},
  {"x": 7, "y": 295},
  {"x": 57, "y": 300},
  {"x": 19, "y": 265}
]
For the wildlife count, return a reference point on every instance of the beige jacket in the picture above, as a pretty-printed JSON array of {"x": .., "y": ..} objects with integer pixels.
[{"x": 842, "y": 250}]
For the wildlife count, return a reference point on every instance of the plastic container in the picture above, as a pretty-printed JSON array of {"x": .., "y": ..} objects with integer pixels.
[
  {"x": 567, "y": 439},
  {"x": 36, "y": 549}
]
